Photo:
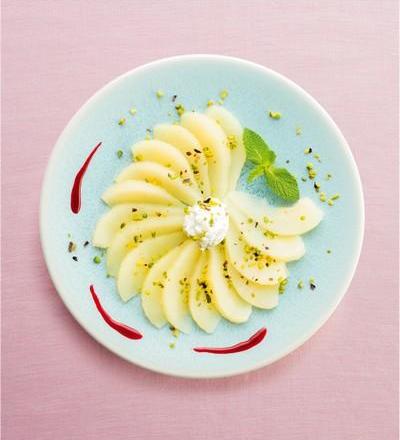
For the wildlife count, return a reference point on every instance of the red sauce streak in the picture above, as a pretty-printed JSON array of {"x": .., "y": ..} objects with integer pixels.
[
  {"x": 124, "y": 329},
  {"x": 76, "y": 187},
  {"x": 241, "y": 346}
]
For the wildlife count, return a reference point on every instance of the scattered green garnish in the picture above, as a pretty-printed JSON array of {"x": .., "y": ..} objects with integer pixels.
[
  {"x": 302, "y": 218},
  {"x": 282, "y": 286},
  {"x": 330, "y": 202},
  {"x": 317, "y": 157},
  {"x": 298, "y": 131},
  {"x": 328, "y": 176},
  {"x": 279, "y": 180},
  {"x": 308, "y": 150},
  {"x": 322, "y": 197},
  {"x": 223, "y": 94},
  {"x": 328, "y": 251},
  {"x": 120, "y": 153},
  {"x": 180, "y": 109},
  {"x": 133, "y": 111},
  {"x": 210, "y": 102},
  {"x": 160, "y": 93},
  {"x": 96, "y": 260},
  {"x": 304, "y": 179},
  {"x": 300, "y": 284},
  {"x": 312, "y": 283},
  {"x": 335, "y": 197},
  {"x": 122, "y": 121},
  {"x": 172, "y": 345},
  {"x": 275, "y": 115}
]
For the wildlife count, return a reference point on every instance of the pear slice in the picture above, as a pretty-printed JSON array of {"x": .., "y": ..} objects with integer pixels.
[
  {"x": 227, "y": 301},
  {"x": 152, "y": 288},
  {"x": 110, "y": 223},
  {"x": 184, "y": 190},
  {"x": 263, "y": 297},
  {"x": 135, "y": 233},
  {"x": 131, "y": 191},
  {"x": 214, "y": 142},
  {"x": 201, "y": 307},
  {"x": 135, "y": 265},
  {"x": 176, "y": 287},
  {"x": 250, "y": 262},
  {"x": 234, "y": 130},
  {"x": 281, "y": 248},
  {"x": 164, "y": 154},
  {"x": 298, "y": 219},
  {"x": 182, "y": 139}
]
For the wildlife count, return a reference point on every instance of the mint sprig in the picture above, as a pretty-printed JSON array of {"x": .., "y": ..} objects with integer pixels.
[{"x": 279, "y": 180}]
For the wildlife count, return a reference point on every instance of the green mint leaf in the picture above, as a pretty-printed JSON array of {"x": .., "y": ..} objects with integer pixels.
[
  {"x": 257, "y": 150},
  {"x": 257, "y": 171},
  {"x": 282, "y": 183}
]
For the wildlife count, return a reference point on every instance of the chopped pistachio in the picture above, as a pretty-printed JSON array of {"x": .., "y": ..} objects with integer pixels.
[
  {"x": 120, "y": 153},
  {"x": 308, "y": 150},
  {"x": 122, "y": 121},
  {"x": 180, "y": 109},
  {"x": 330, "y": 202},
  {"x": 275, "y": 115},
  {"x": 210, "y": 102},
  {"x": 316, "y": 156},
  {"x": 300, "y": 284},
  {"x": 172, "y": 345},
  {"x": 322, "y": 197},
  {"x": 335, "y": 197},
  {"x": 160, "y": 93},
  {"x": 298, "y": 131},
  {"x": 310, "y": 166},
  {"x": 328, "y": 176},
  {"x": 96, "y": 259},
  {"x": 328, "y": 251},
  {"x": 223, "y": 94},
  {"x": 302, "y": 218},
  {"x": 304, "y": 179},
  {"x": 133, "y": 111}
]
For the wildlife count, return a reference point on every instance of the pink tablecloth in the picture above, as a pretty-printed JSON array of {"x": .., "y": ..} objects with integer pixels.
[{"x": 58, "y": 383}]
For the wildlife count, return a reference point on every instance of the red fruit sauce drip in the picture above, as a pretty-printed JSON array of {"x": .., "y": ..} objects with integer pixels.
[
  {"x": 241, "y": 346},
  {"x": 124, "y": 329},
  {"x": 76, "y": 188}
]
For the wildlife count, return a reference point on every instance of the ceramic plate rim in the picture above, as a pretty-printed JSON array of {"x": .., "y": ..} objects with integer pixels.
[{"x": 311, "y": 101}]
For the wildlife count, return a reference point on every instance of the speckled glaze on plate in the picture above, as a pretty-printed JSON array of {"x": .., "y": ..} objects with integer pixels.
[{"x": 253, "y": 90}]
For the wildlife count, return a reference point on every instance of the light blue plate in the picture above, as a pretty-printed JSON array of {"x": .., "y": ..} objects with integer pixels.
[{"x": 253, "y": 90}]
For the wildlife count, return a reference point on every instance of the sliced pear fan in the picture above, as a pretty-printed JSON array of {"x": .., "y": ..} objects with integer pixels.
[
  {"x": 234, "y": 130},
  {"x": 226, "y": 299},
  {"x": 183, "y": 140},
  {"x": 164, "y": 154},
  {"x": 176, "y": 287},
  {"x": 131, "y": 191},
  {"x": 152, "y": 288},
  {"x": 134, "y": 233},
  {"x": 281, "y": 248},
  {"x": 294, "y": 220},
  {"x": 214, "y": 143},
  {"x": 135, "y": 265},
  {"x": 263, "y": 297},
  {"x": 250, "y": 262},
  {"x": 112, "y": 221},
  {"x": 183, "y": 189},
  {"x": 201, "y": 307}
]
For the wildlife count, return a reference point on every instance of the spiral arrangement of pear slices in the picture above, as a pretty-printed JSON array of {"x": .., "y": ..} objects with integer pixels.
[{"x": 148, "y": 251}]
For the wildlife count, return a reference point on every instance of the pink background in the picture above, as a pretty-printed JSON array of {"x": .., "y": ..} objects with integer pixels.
[{"x": 60, "y": 384}]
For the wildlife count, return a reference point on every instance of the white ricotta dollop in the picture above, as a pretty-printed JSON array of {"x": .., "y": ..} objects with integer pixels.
[{"x": 207, "y": 222}]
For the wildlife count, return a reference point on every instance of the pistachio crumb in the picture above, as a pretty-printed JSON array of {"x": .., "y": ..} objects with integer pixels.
[
  {"x": 330, "y": 202},
  {"x": 308, "y": 150},
  {"x": 275, "y": 115},
  {"x": 210, "y": 102},
  {"x": 223, "y": 94},
  {"x": 96, "y": 260},
  {"x": 298, "y": 131},
  {"x": 160, "y": 93},
  {"x": 120, "y": 153},
  {"x": 133, "y": 111},
  {"x": 300, "y": 284},
  {"x": 335, "y": 197},
  {"x": 328, "y": 251},
  {"x": 180, "y": 109},
  {"x": 122, "y": 121}
]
